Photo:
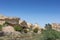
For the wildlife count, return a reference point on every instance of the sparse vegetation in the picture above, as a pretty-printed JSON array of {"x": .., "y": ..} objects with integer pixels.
[
  {"x": 25, "y": 31},
  {"x": 18, "y": 28},
  {"x": 48, "y": 34},
  {"x": 35, "y": 30},
  {"x": 31, "y": 34}
]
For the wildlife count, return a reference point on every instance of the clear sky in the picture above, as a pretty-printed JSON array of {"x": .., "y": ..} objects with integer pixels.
[{"x": 33, "y": 11}]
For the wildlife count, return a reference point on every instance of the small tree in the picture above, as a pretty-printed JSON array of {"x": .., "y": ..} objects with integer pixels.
[
  {"x": 50, "y": 34},
  {"x": 35, "y": 30},
  {"x": 25, "y": 31},
  {"x": 48, "y": 26}
]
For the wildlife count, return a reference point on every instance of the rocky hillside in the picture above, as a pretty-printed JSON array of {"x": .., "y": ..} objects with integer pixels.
[
  {"x": 14, "y": 24},
  {"x": 13, "y": 28}
]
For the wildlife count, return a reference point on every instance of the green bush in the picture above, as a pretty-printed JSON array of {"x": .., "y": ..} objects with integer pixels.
[
  {"x": 25, "y": 31},
  {"x": 18, "y": 28},
  {"x": 35, "y": 30},
  {"x": 50, "y": 34}
]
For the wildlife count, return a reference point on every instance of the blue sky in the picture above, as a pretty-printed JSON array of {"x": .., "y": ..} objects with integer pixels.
[{"x": 33, "y": 11}]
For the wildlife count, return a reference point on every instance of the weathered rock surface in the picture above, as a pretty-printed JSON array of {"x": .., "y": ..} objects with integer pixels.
[{"x": 8, "y": 29}]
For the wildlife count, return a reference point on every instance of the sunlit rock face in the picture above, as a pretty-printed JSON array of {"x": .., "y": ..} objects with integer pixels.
[
  {"x": 23, "y": 24},
  {"x": 20, "y": 21},
  {"x": 2, "y": 19},
  {"x": 36, "y": 26},
  {"x": 56, "y": 26},
  {"x": 11, "y": 20},
  {"x": 8, "y": 29},
  {"x": 29, "y": 25}
]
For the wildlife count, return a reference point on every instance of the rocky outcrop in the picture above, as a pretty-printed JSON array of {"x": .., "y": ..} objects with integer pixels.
[
  {"x": 30, "y": 25},
  {"x": 56, "y": 26},
  {"x": 11, "y": 20},
  {"x": 36, "y": 26},
  {"x": 2, "y": 19},
  {"x": 8, "y": 29},
  {"x": 23, "y": 24}
]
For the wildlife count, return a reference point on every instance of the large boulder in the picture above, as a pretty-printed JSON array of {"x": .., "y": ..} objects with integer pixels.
[{"x": 8, "y": 30}]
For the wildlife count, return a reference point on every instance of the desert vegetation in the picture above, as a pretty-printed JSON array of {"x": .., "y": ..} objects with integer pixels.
[{"x": 23, "y": 34}]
